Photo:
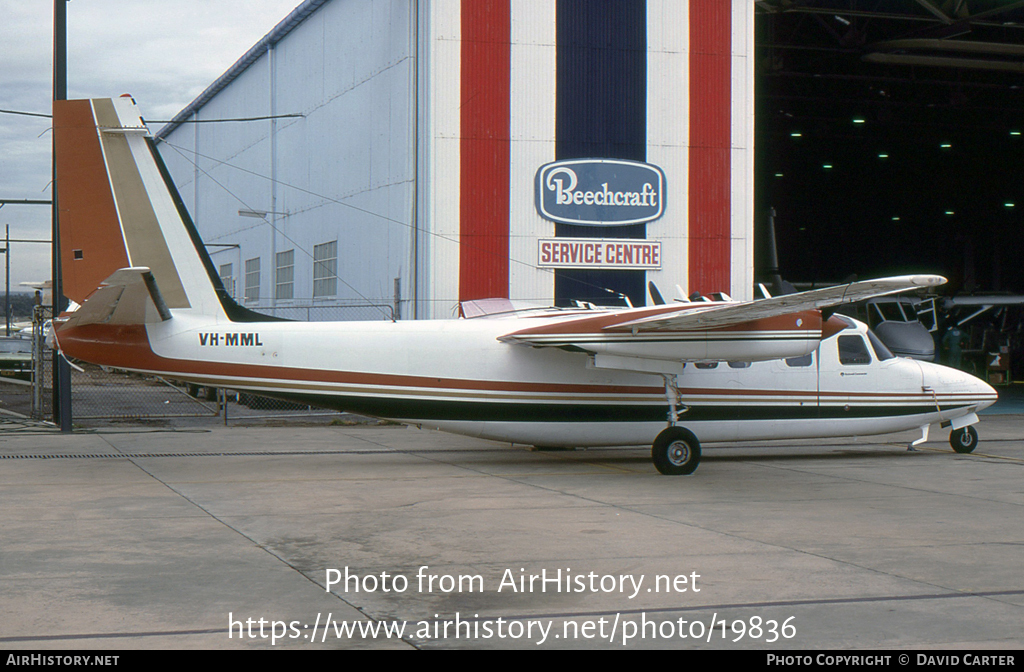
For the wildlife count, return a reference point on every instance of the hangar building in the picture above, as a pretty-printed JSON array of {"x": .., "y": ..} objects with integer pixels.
[{"x": 414, "y": 154}]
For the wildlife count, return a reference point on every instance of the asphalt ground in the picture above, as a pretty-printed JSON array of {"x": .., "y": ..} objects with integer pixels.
[{"x": 185, "y": 538}]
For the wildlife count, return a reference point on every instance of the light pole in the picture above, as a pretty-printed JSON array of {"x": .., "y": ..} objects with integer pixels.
[
  {"x": 7, "y": 281},
  {"x": 61, "y": 369}
]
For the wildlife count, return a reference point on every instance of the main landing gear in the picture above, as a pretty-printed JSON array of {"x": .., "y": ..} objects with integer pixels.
[
  {"x": 964, "y": 440},
  {"x": 676, "y": 451}
]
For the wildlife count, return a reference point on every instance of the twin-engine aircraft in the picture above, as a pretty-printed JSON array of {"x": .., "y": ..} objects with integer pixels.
[{"x": 673, "y": 374}]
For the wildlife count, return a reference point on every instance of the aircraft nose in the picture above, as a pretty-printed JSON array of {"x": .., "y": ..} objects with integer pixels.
[
  {"x": 954, "y": 384},
  {"x": 986, "y": 392}
]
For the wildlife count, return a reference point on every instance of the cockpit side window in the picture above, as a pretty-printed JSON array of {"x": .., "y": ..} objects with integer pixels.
[
  {"x": 853, "y": 351},
  {"x": 881, "y": 351}
]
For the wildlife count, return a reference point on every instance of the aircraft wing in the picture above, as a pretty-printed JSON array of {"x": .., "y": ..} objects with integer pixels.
[
  {"x": 128, "y": 296},
  {"x": 662, "y": 331},
  {"x": 725, "y": 315}
]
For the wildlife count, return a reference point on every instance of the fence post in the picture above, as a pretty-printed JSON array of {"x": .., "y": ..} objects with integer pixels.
[{"x": 38, "y": 355}]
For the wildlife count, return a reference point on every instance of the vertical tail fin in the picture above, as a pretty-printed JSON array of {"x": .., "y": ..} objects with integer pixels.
[{"x": 118, "y": 208}]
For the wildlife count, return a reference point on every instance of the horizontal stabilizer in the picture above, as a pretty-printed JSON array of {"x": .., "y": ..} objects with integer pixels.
[{"x": 128, "y": 296}]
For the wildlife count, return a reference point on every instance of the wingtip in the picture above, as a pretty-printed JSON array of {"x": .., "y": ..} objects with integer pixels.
[
  {"x": 912, "y": 281},
  {"x": 928, "y": 280}
]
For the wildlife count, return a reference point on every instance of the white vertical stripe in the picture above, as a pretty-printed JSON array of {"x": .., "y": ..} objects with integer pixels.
[
  {"x": 442, "y": 184},
  {"x": 668, "y": 132},
  {"x": 185, "y": 261},
  {"x": 742, "y": 160},
  {"x": 533, "y": 78}
]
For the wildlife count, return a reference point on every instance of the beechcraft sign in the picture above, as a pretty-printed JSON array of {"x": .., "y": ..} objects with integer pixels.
[{"x": 600, "y": 192}]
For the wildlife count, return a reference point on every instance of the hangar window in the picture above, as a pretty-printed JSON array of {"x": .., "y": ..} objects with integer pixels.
[
  {"x": 227, "y": 277},
  {"x": 284, "y": 284},
  {"x": 252, "y": 279},
  {"x": 853, "y": 351},
  {"x": 800, "y": 362},
  {"x": 325, "y": 269}
]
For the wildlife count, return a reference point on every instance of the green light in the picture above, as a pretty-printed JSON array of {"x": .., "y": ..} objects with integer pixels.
[
  {"x": 946, "y": 145},
  {"x": 883, "y": 156},
  {"x": 827, "y": 166},
  {"x": 1009, "y": 205},
  {"x": 895, "y": 219},
  {"x": 1014, "y": 132},
  {"x": 950, "y": 212},
  {"x": 858, "y": 120},
  {"x": 796, "y": 135}
]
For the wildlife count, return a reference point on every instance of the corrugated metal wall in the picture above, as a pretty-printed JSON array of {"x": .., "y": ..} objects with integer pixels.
[{"x": 344, "y": 171}]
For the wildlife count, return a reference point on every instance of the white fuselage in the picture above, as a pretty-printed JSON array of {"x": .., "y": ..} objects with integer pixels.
[{"x": 456, "y": 376}]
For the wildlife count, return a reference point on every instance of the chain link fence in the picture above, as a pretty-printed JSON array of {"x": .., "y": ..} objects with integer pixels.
[
  {"x": 332, "y": 312},
  {"x": 100, "y": 393}
]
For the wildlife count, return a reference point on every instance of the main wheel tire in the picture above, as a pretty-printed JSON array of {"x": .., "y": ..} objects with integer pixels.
[
  {"x": 964, "y": 440},
  {"x": 676, "y": 452}
]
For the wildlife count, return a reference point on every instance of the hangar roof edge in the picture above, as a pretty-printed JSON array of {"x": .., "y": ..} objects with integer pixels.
[{"x": 282, "y": 29}]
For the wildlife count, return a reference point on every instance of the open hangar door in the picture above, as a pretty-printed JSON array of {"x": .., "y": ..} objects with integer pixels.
[{"x": 889, "y": 139}]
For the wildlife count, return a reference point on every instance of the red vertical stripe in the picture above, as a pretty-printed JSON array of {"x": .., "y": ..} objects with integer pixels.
[
  {"x": 710, "y": 142},
  {"x": 485, "y": 155}
]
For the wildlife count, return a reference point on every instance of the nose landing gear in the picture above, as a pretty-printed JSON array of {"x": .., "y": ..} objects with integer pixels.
[{"x": 964, "y": 440}]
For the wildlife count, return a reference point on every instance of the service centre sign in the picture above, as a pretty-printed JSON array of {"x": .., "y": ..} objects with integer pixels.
[
  {"x": 623, "y": 254},
  {"x": 600, "y": 192}
]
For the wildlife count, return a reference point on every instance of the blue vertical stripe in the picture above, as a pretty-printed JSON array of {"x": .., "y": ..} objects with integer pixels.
[{"x": 601, "y": 112}]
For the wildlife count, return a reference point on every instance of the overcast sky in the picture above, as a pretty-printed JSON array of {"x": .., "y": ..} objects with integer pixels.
[{"x": 163, "y": 52}]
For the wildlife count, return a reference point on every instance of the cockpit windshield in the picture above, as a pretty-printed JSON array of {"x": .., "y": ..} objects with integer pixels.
[
  {"x": 881, "y": 351},
  {"x": 890, "y": 311}
]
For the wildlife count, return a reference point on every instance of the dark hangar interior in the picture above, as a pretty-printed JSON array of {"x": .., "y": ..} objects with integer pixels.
[{"x": 889, "y": 139}]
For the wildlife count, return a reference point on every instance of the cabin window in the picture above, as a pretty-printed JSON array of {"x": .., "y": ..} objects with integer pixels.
[
  {"x": 800, "y": 362},
  {"x": 706, "y": 365},
  {"x": 739, "y": 365},
  {"x": 853, "y": 351}
]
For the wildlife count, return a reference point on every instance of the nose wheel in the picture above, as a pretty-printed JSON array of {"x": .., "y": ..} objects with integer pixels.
[
  {"x": 676, "y": 452},
  {"x": 964, "y": 440}
]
